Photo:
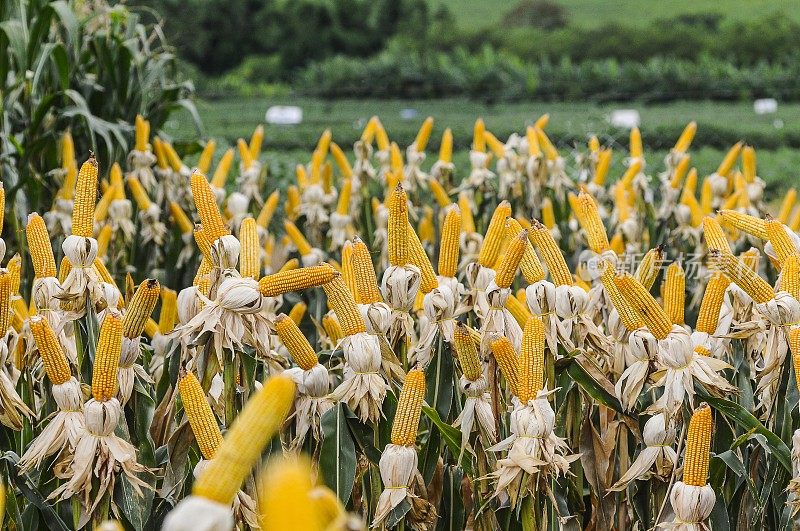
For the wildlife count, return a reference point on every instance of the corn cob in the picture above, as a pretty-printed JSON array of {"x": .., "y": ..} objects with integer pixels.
[
  {"x": 713, "y": 297},
  {"x": 53, "y": 359},
  {"x": 446, "y": 147},
  {"x": 652, "y": 315},
  {"x": 497, "y": 147},
  {"x": 478, "y": 138},
  {"x": 250, "y": 257},
  {"x": 418, "y": 257},
  {"x": 542, "y": 121},
  {"x": 14, "y": 267},
  {"x": 680, "y": 171},
  {"x": 297, "y": 237},
  {"x": 101, "y": 208},
  {"x": 203, "y": 243},
  {"x": 364, "y": 272},
  {"x": 207, "y": 208},
  {"x": 551, "y": 254},
  {"x": 347, "y": 270},
  {"x": 64, "y": 269},
  {"x": 255, "y": 142},
  {"x": 707, "y": 196},
  {"x": 449, "y": 245},
  {"x": 714, "y": 236},
  {"x": 465, "y": 206},
  {"x": 160, "y": 153},
  {"x": 168, "y": 315},
  {"x": 174, "y": 159},
  {"x": 67, "y": 190},
  {"x": 201, "y": 417},
  {"x": 519, "y": 310},
  {"x": 617, "y": 243},
  {"x": 636, "y": 143},
  {"x": 690, "y": 185},
  {"x": 296, "y": 280},
  {"x": 222, "y": 170},
  {"x": 425, "y": 229},
  {"x": 511, "y": 260},
  {"x": 116, "y": 182},
  {"x": 575, "y": 207},
  {"x": 602, "y": 167},
  {"x": 67, "y": 150},
  {"x": 794, "y": 347},
  {"x": 698, "y": 447},
  {"x": 261, "y": 417},
  {"x": 590, "y": 219},
  {"x": 295, "y": 342},
  {"x": 106, "y": 359},
  {"x": 493, "y": 239},
  {"x": 85, "y": 197},
  {"x": 548, "y": 214},
  {"x": 730, "y": 159},
  {"x": 141, "y": 306},
  {"x": 341, "y": 160},
  {"x": 751, "y": 258},
  {"x": 780, "y": 240},
  {"x": 439, "y": 193},
  {"x": 139, "y": 193},
  {"x": 685, "y": 140},
  {"x": 398, "y": 227},
  {"x": 44, "y": 264},
  {"x": 747, "y": 279},
  {"x": 332, "y": 327},
  {"x": 5, "y": 301},
  {"x": 424, "y": 134},
  {"x": 206, "y": 157},
  {"x": 594, "y": 144},
  {"x": 533, "y": 142},
  {"x": 180, "y": 218},
  {"x": 648, "y": 269},
  {"x": 343, "y": 206},
  {"x": 695, "y": 210},
  {"x": 409, "y": 409},
  {"x": 381, "y": 138},
  {"x": 531, "y": 360},
  {"x": 675, "y": 293},
  {"x": 244, "y": 153},
  {"x": 285, "y": 503},
  {"x": 104, "y": 240},
  {"x": 344, "y": 305},
  {"x": 293, "y": 200},
  {"x": 268, "y": 210},
  {"x": 466, "y": 352},
  {"x": 549, "y": 150},
  {"x": 622, "y": 203},
  {"x": 787, "y": 205},
  {"x": 508, "y": 362},
  {"x": 750, "y": 224},
  {"x": 633, "y": 170},
  {"x": 298, "y": 311},
  {"x": 396, "y": 159},
  {"x": 790, "y": 276}
]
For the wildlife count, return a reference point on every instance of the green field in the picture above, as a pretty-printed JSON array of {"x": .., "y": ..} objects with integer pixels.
[
  {"x": 719, "y": 124},
  {"x": 592, "y": 13}
]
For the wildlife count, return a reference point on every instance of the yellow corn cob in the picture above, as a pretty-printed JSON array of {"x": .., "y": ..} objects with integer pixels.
[
  {"x": 590, "y": 219},
  {"x": 508, "y": 362},
  {"x": 478, "y": 138},
  {"x": 652, "y": 315},
  {"x": 749, "y": 164},
  {"x": 497, "y": 147},
  {"x": 730, "y": 159},
  {"x": 85, "y": 197},
  {"x": 790, "y": 275},
  {"x": 180, "y": 218},
  {"x": 344, "y": 305},
  {"x": 603, "y": 165},
  {"x": 493, "y": 239},
  {"x": 174, "y": 159},
  {"x": 244, "y": 153},
  {"x": 53, "y": 359},
  {"x": 142, "y": 127},
  {"x": 511, "y": 260},
  {"x": 424, "y": 134},
  {"x": 292, "y": 263},
  {"x": 396, "y": 158},
  {"x": 298, "y": 311},
  {"x": 425, "y": 229},
  {"x": 104, "y": 240},
  {"x": 116, "y": 182},
  {"x": 303, "y": 247},
  {"x": 296, "y": 280},
  {"x": 674, "y": 293},
  {"x": 160, "y": 153},
  {"x": 202, "y": 241},
  {"x": 366, "y": 281},
  {"x": 139, "y": 193},
  {"x": 393, "y": 178},
  {"x": 168, "y": 315},
  {"x": 255, "y": 142},
  {"x": 542, "y": 121},
  {"x": 409, "y": 408},
  {"x": 44, "y": 264},
  {"x": 548, "y": 214},
  {"x": 707, "y": 196},
  {"x": 787, "y": 205},
  {"x": 201, "y": 417},
  {"x": 106, "y": 359},
  {"x": 531, "y": 360},
  {"x": 680, "y": 171},
  {"x": 268, "y": 210},
  {"x": 450, "y": 242},
  {"x": 348, "y": 271},
  {"x": 250, "y": 257},
  {"x": 369, "y": 130},
  {"x": 67, "y": 190},
  {"x": 292, "y": 206},
  {"x": 64, "y": 269},
  {"x": 381, "y": 138},
  {"x": 261, "y": 417},
  {"x": 418, "y": 257},
  {"x": 617, "y": 243},
  {"x": 206, "y": 157},
  {"x": 533, "y": 142},
  {"x": 751, "y": 258},
  {"x": 750, "y": 224},
  {"x": 439, "y": 193},
  {"x": 636, "y": 143},
  {"x": 332, "y": 328},
  {"x": 594, "y": 144},
  {"x": 101, "y": 208},
  {"x": 343, "y": 206},
  {"x": 141, "y": 306},
  {"x": 222, "y": 170},
  {"x": 747, "y": 279},
  {"x": 714, "y": 236},
  {"x": 465, "y": 206},
  {"x": 398, "y": 227},
  {"x": 519, "y": 310},
  {"x": 446, "y": 147},
  {"x": 695, "y": 210},
  {"x": 780, "y": 240},
  {"x": 648, "y": 269},
  {"x": 207, "y": 208},
  {"x": 794, "y": 347},
  {"x": 67, "y": 150},
  {"x": 285, "y": 503},
  {"x": 466, "y": 352},
  {"x": 327, "y": 177},
  {"x": 341, "y": 161},
  {"x": 690, "y": 185},
  {"x": 685, "y": 140},
  {"x": 324, "y": 142},
  {"x": 698, "y": 447},
  {"x": 549, "y": 150},
  {"x": 713, "y": 297},
  {"x": 295, "y": 342},
  {"x": 551, "y": 254}
]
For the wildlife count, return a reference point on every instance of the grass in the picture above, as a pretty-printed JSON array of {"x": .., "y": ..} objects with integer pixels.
[{"x": 593, "y": 13}]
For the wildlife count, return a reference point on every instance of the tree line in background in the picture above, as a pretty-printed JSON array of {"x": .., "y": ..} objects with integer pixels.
[{"x": 409, "y": 49}]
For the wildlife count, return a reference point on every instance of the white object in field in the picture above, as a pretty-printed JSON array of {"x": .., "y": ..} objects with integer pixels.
[
  {"x": 625, "y": 118},
  {"x": 284, "y": 115},
  {"x": 765, "y": 106},
  {"x": 408, "y": 114}
]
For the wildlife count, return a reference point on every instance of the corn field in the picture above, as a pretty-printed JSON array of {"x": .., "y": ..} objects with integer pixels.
[{"x": 382, "y": 341}]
